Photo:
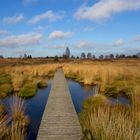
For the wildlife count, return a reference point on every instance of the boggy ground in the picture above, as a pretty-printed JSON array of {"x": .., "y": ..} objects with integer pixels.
[{"x": 99, "y": 120}]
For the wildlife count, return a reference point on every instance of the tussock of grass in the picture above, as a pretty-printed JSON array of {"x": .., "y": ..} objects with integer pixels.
[
  {"x": 13, "y": 127},
  {"x": 42, "y": 84},
  {"x": 94, "y": 101},
  {"x": 28, "y": 90},
  {"x": 106, "y": 122},
  {"x": 5, "y": 85},
  {"x": 17, "y": 111}
]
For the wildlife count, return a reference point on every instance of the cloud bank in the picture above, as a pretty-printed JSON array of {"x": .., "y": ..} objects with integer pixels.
[
  {"x": 14, "y": 19},
  {"x": 21, "y": 40},
  {"x": 59, "y": 35},
  {"x": 104, "y": 9},
  {"x": 48, "y": 15}
]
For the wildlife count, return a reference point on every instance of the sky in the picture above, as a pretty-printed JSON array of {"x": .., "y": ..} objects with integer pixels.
[{"x": 47, "y": 27}]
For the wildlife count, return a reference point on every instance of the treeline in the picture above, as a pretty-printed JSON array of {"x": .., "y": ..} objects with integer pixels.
[{"x": 67, "y": 55}]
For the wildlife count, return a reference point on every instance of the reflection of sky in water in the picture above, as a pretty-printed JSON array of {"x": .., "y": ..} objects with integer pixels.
[{"x": 80, "y": 93}]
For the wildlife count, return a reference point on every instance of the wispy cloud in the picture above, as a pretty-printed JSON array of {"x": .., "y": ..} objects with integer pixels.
[
  {"x": 21, "y": 40},
  {"x": 86, "y": 44},
  {"x": 104, "y": 9},
  {"x": 3, "y": 32},
  {"x": 59, "y": 35},
  {"x": 119, "y": 42},
  {"x": 137, "y": 38},
  {"x": 14, "y": 19},
  {"x": 27, "y": 2},
  {"x": 48, "y": 15}
]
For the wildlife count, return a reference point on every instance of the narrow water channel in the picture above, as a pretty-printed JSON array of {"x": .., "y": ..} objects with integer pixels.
[
  {"x": 34, "y": 109},
  {"x": 36, "y": 105}
]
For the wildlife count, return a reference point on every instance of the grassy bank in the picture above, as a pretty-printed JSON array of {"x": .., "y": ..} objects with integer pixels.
[
  {"x": 113, "y": 78},
  {"x": 24, "y": 80}
]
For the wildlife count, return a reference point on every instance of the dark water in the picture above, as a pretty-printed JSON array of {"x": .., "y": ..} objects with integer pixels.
[
  {"x": 80, "y": 93},
  {"x": 35, "y": 106},
  {"x": 34, "y": 109}
]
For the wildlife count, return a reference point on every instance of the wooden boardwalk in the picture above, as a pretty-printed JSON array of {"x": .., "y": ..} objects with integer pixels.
[{"x": 59, "y": 121}]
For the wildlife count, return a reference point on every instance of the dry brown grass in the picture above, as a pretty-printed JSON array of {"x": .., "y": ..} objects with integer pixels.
[
  {"x": 104, "y": 73},
  {"x": 13, "y": 126}
]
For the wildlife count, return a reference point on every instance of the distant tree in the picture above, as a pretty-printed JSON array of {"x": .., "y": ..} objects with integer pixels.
[
  {"x": 77, "y": 57},
  {"x": 138, "y": 54},
  {"x": 117, "y": 56},
  {"x": 29, "y": 56},
  {"x": 122, "y": 56},
  {"x": 107, "y": 57},
  {"x": 94, "y": 57},
  {"x": 101, "y": 56},
  {"x": 134, "y": 56},
  {"x": 56, "y": 58},
  {"x": 67, "y": 53},
  {"x": 83, "y": 56},
  {"x": 72, "y": 57},
  {"x": 25, "y": 55},
  {"x": 47, "y": 57},
  {"x": 111, "y": 56},
  {"x": 1, "y": 56},
  {"x": 89, "y": 55}
]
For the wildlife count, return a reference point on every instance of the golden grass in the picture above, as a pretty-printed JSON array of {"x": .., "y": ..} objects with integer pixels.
[
  {"x": 104, "y": 73},
  {"x": 19, "y": 76},
  {"x": 17, "y": 112},
  {"x": 99, "y": 120},
  {"x": 16, "y": 129}
]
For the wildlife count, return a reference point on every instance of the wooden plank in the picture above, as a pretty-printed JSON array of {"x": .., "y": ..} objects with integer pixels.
[{"x": 60, "y": 120}]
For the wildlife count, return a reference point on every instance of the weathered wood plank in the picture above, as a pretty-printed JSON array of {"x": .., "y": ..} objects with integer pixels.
[{"x": 59, "y": 121}]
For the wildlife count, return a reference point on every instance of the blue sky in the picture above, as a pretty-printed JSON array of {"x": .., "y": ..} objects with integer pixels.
[{"x": 46, "y": 27}]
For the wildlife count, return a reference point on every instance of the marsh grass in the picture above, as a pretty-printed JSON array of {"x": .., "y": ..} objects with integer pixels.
[
  {"x": 28, "y": 90},
  {"x": 17, "y": 112},
  {"x": 13, "y": 125},
  {"x": 113, "y": 78},
  {"x": 22, "y": 80},
  {"x": 17, "y": 132},
  {"x": 5, "y": 85},
  {"x": 100, "y": 120},
  {"x": 106, "y": 122}
]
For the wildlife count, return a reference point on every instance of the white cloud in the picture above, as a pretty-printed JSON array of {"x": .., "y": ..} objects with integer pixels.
[
  {"x": 3, "y": 32},
  {"x": 14, "y": 19},
  {"x": 104, "y": 9},
  {"x": 137, "y": 38},
  {"x": 27, "y": 2},
  {"x": 85, "y": 44},
  {"x": 59, "y": 35},
  {"x": 21, "y": 40},
  {"x": 49, "y": 15},
  {"x": 119, "y": 42}
]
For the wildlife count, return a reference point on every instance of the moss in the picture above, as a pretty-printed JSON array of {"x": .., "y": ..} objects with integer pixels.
[
  {"x": 5, "y": 79},
  {"x": 42, "y": 84},
  {"x": 5, "y": 90},
  {"x": 28, "y": 90},
  {"x": 94, "y": 101},
  {"x": 111, "y": 91}
]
